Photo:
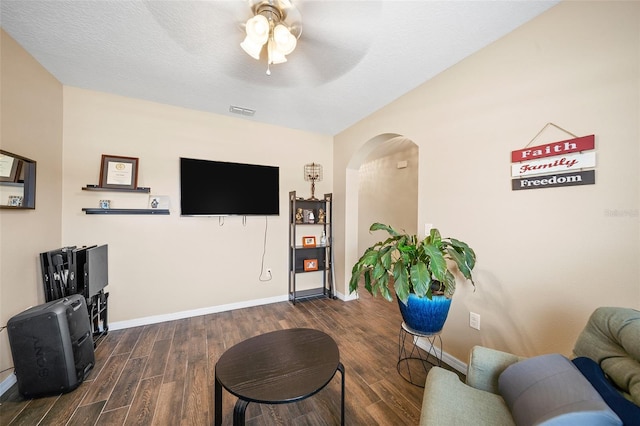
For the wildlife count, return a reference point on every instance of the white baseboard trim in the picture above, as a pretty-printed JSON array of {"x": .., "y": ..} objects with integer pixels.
[
  {"x": 194, "y": 313},
  {"x": 446, "y": 358},
  {"x": 7, "y": 383},
  {"x": 347, "y": 298}
]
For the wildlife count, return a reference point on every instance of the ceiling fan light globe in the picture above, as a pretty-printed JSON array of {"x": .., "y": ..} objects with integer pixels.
[
  {"x": 252, "y": 49},
  {"x": 275, "y": 56},
  {"x": 257, "y": 29},
  {"x": 284, "y": 40}
]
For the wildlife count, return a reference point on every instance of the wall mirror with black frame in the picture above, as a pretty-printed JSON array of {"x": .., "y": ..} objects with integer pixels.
[{"x": 17, "y": 181}]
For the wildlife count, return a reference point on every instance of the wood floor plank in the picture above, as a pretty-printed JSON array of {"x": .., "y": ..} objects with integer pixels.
[
  {"x": 196, "y": 400},
  {"x": 127, "y": 384},
  {"x": 145, "y": 341},
  {"x": 87, "y": 415},
  {"x": 157, "y": 362},
  {"x": 100, "y": 389},
  {"x": 144, "y": 402},
  {"x": 35, "y": 410},
  {"x": 395, "y": 400},
  {"x": 66, "y": 405},
  {"x": 198, "y": 345},
  {"x": 11, "y": 404},
  {"x": 176, "y": 366},
  {"x": 128, "y": 341},
  {"x": 166, "y": 330},
  {"x": 170, "y": 402},
  {"x": 113, "y": 418}
]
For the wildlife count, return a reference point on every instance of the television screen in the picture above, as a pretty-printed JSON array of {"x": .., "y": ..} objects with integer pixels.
[{"x": 216, "y": 188}]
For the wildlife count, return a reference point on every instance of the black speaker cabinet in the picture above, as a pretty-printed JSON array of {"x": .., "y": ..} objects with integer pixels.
[{"x": 51, "y": 346}]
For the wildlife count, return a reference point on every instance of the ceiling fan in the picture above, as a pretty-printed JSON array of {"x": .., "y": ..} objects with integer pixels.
[{"x": 337, "y": 35}]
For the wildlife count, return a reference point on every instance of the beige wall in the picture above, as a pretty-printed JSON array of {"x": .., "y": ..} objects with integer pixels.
[
  {"x": 546, "y": 257},
  {"x": 161, "y": 265},
  {"x": 388, "y": 195},
  {"x": 31, "y": 126}
]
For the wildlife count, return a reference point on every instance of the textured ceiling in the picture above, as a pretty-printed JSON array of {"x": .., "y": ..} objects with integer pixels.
[{"x": 353, "y": 57}]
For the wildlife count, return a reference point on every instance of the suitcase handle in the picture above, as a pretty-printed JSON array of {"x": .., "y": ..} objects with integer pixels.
[
  {"x": 83, "y": 338},
  {"x": 76, "y": 304}
]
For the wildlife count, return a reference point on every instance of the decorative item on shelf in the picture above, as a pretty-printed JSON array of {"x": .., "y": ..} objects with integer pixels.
[
  {"x": 105, "y": 204},
  {"x": 308, "y": 216},
  {"x": 310, "y": 264},
  {"x": 275, "y": 27},
  {"x": 323, "y": 238},
  {"x": 313, "y": 174},
  {"x": 321, "y": 216},
  {"x": 119, "y": 172},
  {"x": 308, "y": 241},
  {"x": 299, "y": 215},
  {"x": 158, "y": 202},
  {"x": 15, "y": 200}
]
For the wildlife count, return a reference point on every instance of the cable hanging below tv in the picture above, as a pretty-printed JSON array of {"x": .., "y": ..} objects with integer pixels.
[{"x": 217, "y": 188}]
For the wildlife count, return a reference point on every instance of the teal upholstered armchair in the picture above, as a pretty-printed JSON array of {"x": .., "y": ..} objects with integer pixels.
[{"x": 599, "y": 385}]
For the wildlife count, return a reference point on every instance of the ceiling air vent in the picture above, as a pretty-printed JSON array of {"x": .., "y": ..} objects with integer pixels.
[{"x": 242, "y": 111}]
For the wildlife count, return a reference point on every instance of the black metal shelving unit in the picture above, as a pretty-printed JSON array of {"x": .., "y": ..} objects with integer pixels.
[{"x": 321, "y": 253}]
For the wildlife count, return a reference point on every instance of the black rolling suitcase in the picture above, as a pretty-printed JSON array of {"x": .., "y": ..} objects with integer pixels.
[{"x": 52, "y": 346}]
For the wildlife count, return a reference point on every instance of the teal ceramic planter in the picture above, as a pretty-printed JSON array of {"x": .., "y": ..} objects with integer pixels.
[{"x": 424, "y": 315}]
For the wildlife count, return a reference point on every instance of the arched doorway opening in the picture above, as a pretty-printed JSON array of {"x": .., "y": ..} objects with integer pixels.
[{"x": 381, "y": 186}]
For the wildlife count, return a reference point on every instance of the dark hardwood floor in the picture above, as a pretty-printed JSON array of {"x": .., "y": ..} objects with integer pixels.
[{"x": 162, "y": 374}]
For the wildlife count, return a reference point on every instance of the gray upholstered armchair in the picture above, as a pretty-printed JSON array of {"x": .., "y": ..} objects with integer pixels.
[{"x": 599, "y": 385}]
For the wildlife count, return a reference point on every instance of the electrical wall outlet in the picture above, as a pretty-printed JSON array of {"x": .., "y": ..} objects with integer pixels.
[
  {"x": 474, "y": 320},
  {"x": 427, "y": 229}
]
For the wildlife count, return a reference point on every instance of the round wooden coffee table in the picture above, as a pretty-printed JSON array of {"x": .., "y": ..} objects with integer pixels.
[{"x": 276, "y": 368}]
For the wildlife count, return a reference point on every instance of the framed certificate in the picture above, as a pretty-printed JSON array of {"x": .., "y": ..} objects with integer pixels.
[
  {"x": 119, "y": 172},
  {"x": 9, "y": 168}
]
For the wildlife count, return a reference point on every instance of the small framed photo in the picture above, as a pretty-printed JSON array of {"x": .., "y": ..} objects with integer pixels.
[
  {"x": 308, "y": 241},
  {"x": 119, "y": 172},
  {"x": 308, "y": 216},
  {"x": 310, "y": 264}
]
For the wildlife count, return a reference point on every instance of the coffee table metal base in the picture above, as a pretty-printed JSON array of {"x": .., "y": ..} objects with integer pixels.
[{"x": 277, "y": 368}]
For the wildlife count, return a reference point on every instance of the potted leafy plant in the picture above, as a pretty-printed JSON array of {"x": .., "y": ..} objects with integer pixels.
[{"x": 422, "y": 271}]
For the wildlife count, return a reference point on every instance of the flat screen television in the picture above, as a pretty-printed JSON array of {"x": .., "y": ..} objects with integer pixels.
[{"x": 217, "y": 188}]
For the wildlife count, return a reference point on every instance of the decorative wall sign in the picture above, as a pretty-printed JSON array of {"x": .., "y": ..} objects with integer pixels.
[
  {"x": 584, "y": 143},
  {"x": 587, "y": 177},
  {"x": 561, "y": 163}
]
